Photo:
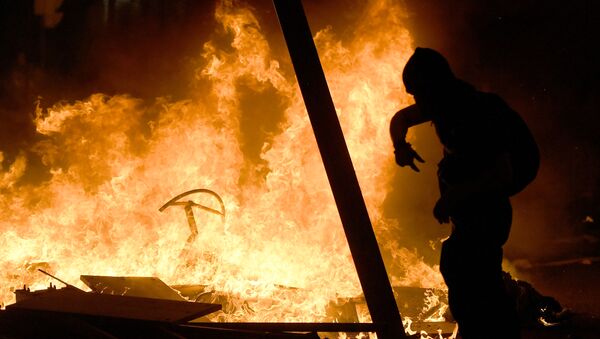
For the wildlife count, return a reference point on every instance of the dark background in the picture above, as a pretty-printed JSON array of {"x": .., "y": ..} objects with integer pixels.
[{"x": 540, "y": 56}]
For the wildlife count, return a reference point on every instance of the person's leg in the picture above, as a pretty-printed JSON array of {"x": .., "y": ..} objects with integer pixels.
[
  {"x": 476, "y": 293},
  {"x": 495, "y": 312},
  {"x": 451, "y": 265}
]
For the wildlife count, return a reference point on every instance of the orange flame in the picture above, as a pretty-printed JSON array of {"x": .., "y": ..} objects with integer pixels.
[{"x": 115, "y": 160}]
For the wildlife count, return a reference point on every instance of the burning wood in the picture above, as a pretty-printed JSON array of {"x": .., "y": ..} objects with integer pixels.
[
  {"x": 104, "y": 314},
  {"x": 136, "y": 298},
  {"x": 74, "y": 301}
]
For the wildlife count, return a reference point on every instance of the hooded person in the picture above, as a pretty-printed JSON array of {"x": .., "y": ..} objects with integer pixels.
[{"x": 489, "y": 155}]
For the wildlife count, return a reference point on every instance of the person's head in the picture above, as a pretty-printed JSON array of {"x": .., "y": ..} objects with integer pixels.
[{"x": 427, "y": 76}]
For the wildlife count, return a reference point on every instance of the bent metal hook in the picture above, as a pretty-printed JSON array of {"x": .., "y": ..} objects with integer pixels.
[{"x": 188, "y": 204}]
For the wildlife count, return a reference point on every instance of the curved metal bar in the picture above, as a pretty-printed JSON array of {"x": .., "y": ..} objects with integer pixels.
[{"x": 174, "y": 202}]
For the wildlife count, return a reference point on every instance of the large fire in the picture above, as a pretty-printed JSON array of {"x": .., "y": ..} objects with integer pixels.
[{"x": 115, "y": 160}]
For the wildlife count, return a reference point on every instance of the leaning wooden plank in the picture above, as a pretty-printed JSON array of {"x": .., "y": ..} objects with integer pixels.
[
  {"x": 69, "y": 300},
  {"x": 339, "y": 169}
]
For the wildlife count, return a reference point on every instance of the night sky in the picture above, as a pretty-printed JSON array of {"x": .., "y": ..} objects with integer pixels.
[{"x": 540, "y": 56}]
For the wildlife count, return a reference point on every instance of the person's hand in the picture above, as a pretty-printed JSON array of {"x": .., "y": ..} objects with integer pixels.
[
  {"x": 406, "y": 155},
  {"x": 446, "y": 205},
  {"x": 441, "y": 211}
]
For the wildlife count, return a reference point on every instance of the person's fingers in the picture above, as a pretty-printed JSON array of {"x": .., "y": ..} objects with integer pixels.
[
  {"x": 414, "y": 167},
  {"x": 418, "y": 157}
]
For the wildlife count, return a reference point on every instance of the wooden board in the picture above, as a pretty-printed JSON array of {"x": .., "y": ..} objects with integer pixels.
[{"x": 73, "y": 301}]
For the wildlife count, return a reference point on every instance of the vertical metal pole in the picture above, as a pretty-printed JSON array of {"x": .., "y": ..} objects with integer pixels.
[{"x": 340, "y": 172}]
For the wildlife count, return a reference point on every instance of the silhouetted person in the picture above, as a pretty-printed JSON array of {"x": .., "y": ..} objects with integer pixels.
[{"x": 489, "y": 155}]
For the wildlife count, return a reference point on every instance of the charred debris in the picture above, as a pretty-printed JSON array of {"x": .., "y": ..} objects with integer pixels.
[{"x": 124, "y": 307}]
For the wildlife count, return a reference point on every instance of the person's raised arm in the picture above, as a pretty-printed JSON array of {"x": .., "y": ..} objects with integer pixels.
[{"x": 399, "y": 125}]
